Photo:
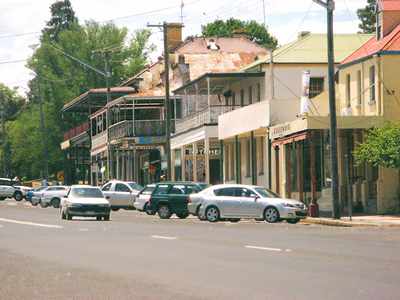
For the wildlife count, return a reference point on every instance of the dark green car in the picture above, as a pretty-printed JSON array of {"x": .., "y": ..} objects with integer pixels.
[{"x": 170, "y": 198}]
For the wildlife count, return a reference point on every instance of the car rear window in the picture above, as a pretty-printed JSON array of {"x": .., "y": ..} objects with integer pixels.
[
  {"x": 177, "y": 190},
  {"x": 192, "y": 189},
  {"x": 162, "y": 189},
  {"x": 148, "y": 190}
]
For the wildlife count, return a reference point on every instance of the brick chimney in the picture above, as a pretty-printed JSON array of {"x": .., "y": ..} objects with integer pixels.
[
  {"x": 174, "y": 35},
  {"x": 387, "y": 17}
]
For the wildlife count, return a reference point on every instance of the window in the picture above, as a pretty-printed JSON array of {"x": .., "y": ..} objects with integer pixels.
[
  {"x": 87, "y": 193},
  {"x": 359, "y": 88},
  {"x": 258, "y": 92},
  {"x": 104, "y": 121},
  {"x": 348, "y": 91},
  {"x": 119, "y": 187},
  {"x": 107, "y": 187},
  {"x": 250, "y": 94},
  {"x": 162, "y": 189},
  {"x": 148, "y": 190},
  {"x": 226, "y": 162},
  {"x": 241, "y": 97},
  {"x": 228, "y": 192},
  {"x": 372, "y": 84},
  {"x": 177, "y": 190},
  {"x": 135, "y": 186},
  {"x": 243, "y": 192},
  {"x": 261, "y": 150},
  {"x": 316, "y": 86},
  {"x": 94, "y": 126},
  {"x": 191, "y": 189},
  {"x": 248, "y": 158}
]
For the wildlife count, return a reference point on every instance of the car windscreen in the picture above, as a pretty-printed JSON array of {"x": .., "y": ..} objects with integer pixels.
[
  {"x": 265, "y": 193},
  {"x": 135, "y": 186},
  {"x": 148, "y": 190},
  {"x": 86, "y": 193}
]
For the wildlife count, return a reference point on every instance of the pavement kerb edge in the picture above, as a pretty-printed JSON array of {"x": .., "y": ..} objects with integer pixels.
[{"x": 338, "y": 223}]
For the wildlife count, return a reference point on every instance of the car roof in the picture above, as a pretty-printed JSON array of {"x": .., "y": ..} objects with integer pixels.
[
  {"x": 180, "y": 182},
  {"x": 83, "y": 186},
  {"x": 231, "y": 185}
]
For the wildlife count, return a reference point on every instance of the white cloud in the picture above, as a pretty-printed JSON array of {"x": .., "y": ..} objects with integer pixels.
[{"x": 284, "y": 19}]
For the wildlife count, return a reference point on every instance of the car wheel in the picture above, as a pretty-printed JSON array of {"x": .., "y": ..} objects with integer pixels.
[
  {"x": 62, "y": 215},
  {"x": 164, "y": 212},
  {"x": 271, "y": 214},
  {"x": 34, "y": 203},
  {"x": 115, "y": 209},
  {"x": 68, "y": 215},
  {"x": 98, "y": 218},
  {"x": 2, "y": 198},
  {"x": 55, "y": 202},
  {"x": 107, "y": 218},
  {"x": 42, "y": 204},
  {"x": 293, "y": 221},
  {"x": 183, "y": 215},
  {"x": 212, "y": 214},
  {"x": 18, "y": 196}
]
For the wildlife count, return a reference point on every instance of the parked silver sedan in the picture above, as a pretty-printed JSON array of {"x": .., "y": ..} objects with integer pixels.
[{"x": 233, "y": 201}]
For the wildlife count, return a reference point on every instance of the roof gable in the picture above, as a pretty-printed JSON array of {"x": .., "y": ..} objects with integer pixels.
[{"x": 391, "y": 42}]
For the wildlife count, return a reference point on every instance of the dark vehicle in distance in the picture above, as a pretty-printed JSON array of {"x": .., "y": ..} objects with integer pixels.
[{"x": 170, "y": 198}]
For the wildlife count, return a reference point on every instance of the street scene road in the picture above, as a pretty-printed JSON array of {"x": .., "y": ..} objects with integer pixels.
[{"x": 136, "y": 256}]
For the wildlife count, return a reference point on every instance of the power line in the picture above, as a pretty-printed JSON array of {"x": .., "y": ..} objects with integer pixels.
[{"x": 13, "y": 61}]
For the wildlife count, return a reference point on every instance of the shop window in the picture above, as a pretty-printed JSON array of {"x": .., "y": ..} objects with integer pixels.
[
  {"x": 258, "y": 92},
  {"x": 316, "y": 86},
  {"x": 232, "y": 161},
  {"x": 233, "y": 99}
]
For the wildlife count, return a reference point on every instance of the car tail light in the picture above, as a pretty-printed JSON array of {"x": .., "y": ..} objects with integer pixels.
[{"x": 188, "y": 199}]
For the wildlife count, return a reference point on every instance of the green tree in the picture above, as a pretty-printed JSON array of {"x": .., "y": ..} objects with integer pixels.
[
  {"x": 255, "y": 31},
  {"x": 381, "y": 147},
  {"x": 367, "y": 17},
  {"x": 62, "y": 18},
  {"x": 59, "y": 79}
]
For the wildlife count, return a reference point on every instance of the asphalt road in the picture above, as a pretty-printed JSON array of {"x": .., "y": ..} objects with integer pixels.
[{"x": 135, "y": 256}]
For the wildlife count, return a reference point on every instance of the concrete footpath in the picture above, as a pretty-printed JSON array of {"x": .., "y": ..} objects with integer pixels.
[{"x": 376, "y": 221}]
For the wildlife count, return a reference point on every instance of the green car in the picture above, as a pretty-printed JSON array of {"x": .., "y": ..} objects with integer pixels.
[{"x": 170, "y": 198}]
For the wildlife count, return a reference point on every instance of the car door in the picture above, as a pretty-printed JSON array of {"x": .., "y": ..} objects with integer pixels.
[
  {"x": 108, "y": 192},
  {"x": 122, "y": 194},
  {"x": 177, "y": 198},
  {"x": 249, "y": 203},
  {"x": 227, "y": 201}
]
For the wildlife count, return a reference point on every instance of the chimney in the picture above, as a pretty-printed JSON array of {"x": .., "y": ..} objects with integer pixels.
[
  {"x": 174, "y": 36},
  {"x": 387, "y": 17}
]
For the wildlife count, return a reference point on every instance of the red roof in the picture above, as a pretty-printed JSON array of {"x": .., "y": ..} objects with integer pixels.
[
  {"x": 388, "y": 5},
  {"x": 391, "y": 42}
]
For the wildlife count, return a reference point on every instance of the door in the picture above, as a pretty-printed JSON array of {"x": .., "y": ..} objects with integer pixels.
[
  {"x": 177, "y": 198},
  {"x": 122, "y": 195},
  {"x": 107, "y": 192},
  {"x": 250, "y": 205},
  {"x": 227, "y": 201}
]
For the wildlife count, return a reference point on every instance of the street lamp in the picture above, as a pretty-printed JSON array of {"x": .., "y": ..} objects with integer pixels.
[{"x": 329, "y": 5}]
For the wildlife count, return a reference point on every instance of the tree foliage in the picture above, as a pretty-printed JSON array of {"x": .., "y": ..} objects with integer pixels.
[
  {"x": 59, "y": 79},
  {"x": 367, "y": 17},
  {"x": 11, "y": 102},
  {"x": 381, "y": 147},
  {"x": 256, "y": 31}
]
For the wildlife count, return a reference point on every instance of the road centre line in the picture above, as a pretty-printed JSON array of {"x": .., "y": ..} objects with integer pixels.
[
  {"x": 164, "y": 237},
  {"x": 30, "y": 223},
  {"x": 267, "y": 248}
]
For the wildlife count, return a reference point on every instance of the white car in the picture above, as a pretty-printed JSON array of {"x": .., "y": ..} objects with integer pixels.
[
  {"x": 52, "y": 195},
  {"x": 7, "y": 190},
  {"x": 24, "y": 189},
  {"x": 84, "y": 201},
  {"x": 37, "y": 194},
  {"x": 234, "y": 201},
  {"x": 121, "y": 194},
  {"x": 142, "y": 199}
]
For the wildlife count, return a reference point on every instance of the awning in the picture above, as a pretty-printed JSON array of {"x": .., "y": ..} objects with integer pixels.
[{"x": 214, "y": 83}]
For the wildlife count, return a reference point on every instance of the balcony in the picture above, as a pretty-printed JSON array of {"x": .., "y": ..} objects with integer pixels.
[
  {"x": 143, "y": 128},
  {"x": 78, "y": 130},
  {"x": 209, "y": 115}
]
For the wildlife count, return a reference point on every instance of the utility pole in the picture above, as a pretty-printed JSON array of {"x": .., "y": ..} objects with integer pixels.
[
  {"x": 3, "y": 133},
  {"x": 108, "y": 95},
  {"x": 44, "y": 136},
  {"x": 182, "y": 5},
  {"x": 329, "y": 5},
  {"x": 167, "y": 105}
]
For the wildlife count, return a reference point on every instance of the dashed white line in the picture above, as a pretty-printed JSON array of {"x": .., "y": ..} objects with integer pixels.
[
  {"x": 164, "y": 237},
  {"x": 83, "y": 229},
  {"x": 267, "y": 248},
  {"x": 30, "y": 223}
]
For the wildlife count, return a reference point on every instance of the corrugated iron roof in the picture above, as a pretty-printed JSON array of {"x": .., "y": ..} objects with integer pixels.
[
  {"x": 391, "y": 42},
  {"x": 312, "y": 49},
  {"x": 388, "y": 5}
]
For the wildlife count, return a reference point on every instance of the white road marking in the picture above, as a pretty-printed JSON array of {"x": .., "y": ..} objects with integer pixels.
[
  {"x": 83, "y": 229},
  {"x": 263, "y": 248},
  {"x": 30, "y": 223},
  {"x": 163, "y": 237}
]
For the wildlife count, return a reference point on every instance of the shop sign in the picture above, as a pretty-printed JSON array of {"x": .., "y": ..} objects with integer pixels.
[
  {"x": 280, "y": 131},
  {"x": 202, "y": 151}
]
